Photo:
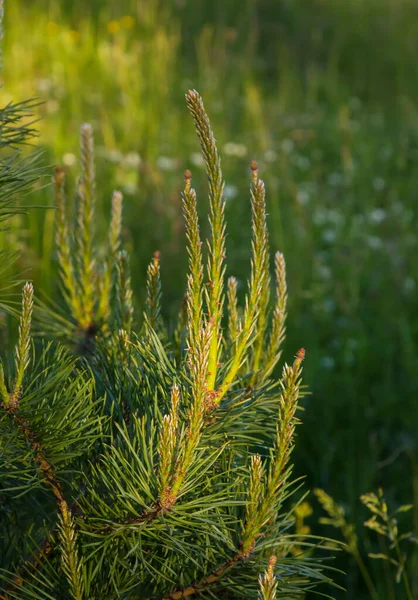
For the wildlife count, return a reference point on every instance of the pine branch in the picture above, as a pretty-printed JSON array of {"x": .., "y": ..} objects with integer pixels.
[
  {"x": 124, "y": 307},
  {"x": 167, "y": 448},
  {"x": 288, "y": 403},
  {"x": 278, "y": 329},
  {"x": 216, "y": 268},
  {"x": 259, "y": 282},
  {"x": 4, "y": 394},
  {"x": 268, "y": 582},
  {"x": 64, "y": 249},
  {"x": 153, "y": 300},
  {"x": 204, "y": 583},
  {"x": 264, "y": 286},
  {"x": 254, "y": 517},
  {"x": 71, "y": 564},
  {"x": 254, "y": 521},
  {"x": 198, "y": 359},
  {"x": 234, "y": 325},
  {"x": 23, "y": 345},
  {"x": 110, "y": 268},
  {"x": 195, "y": 277}
]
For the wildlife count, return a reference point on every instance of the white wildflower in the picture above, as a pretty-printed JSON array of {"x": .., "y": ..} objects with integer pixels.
[
  {"x": 233, "y": 149},
  {"x": 377, "y": 215},
  {"x": 132, "y": 159},
  {"x": 329, "y": 236},
  {"x": 270, "y": 156},
  {"x": 230, "y": 191},
  {"x": 328, "y": 362},
  {"x": 165, "y": 163},
  {"x": 197, "y": 159},
  {"x": 288, "y": 146},
  {"x": 69, "y": 159}
]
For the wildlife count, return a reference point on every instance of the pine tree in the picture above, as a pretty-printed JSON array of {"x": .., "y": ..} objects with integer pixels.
[{"x": 140, "y": 463}]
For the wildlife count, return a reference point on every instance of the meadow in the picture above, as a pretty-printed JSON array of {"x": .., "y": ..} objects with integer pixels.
[{"x": 323, "y": 94}]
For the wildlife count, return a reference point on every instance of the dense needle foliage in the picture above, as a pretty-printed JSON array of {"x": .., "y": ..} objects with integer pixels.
[{"x": 147, "y": 461}]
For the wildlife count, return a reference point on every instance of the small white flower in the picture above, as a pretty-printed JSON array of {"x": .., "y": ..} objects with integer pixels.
[
  {"x": 386, "y": 152},
  {"x": 379, "y": 184},
  {"x": 52, "y": 106},
  {"x": 302, "y": 196},
  {"x": 374, "y": 242},
  {"x": 165, "y": 163},
  {"x": 320, "y": 216},
  {"x": 270, "y": 156},
  {"x": 328, "y": 362},
  {"x": 329, "y": 236},
  {"x": 324, "y": 272},
  {"x": 335, "y": 217},
  {"x": 197, "y": 159},
  {"x": 397, "y": 208},
  {"x": 44, "y": 85},
  {"x": 69, "y": 159},
  {"x": 377, "y": 215},
  {"x": 302, "y": 162},
  {"x": 113, "y": 155},
  {"x": 352, "y": 343},
  {"x": 233, "y": 149},
  {"x": 354, "y": 103},
  {"x": 409, "y": 285},
  {"x": 336, "y": 178},
  {"x": 132, "y": 159},
  {"x": 328, "y": 305},
  {"x": 230, "y": 192},
  {"x": 130, "y": 188},
  {"x": 288, "y": 146}
]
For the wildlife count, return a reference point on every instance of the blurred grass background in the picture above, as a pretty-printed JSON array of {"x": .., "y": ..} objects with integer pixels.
[{"x": 323, "y": 94}]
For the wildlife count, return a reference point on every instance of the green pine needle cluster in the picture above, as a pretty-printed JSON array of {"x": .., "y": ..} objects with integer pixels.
[{"x": 146, "y": 461}]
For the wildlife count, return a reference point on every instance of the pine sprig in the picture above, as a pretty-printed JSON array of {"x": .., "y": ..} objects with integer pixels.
[
  {"x": 268, "y": 582},
  {"x": 84, "y": 237},
  {"x": 288, "y": 403},
  {"x": 262, "y": 254},
  {"x": 216, "y": 267},
  {"x": 258, "y": 287},
  {"x": 124, "y": 306},
  {"x": 278, "y": 328},
  {"x": 153, "y": 300},
  {"x": 195, "y": 277},
  {"x": 4, "y": 394},
  {"x": 70, "y": 562},
  {"x": 167, "y": 448},
  {"x": 198, "y": 359},
  {"x": 254, "y": 516},
  {"x": 23, "y": 345},
  {"x": 234, "y": 324},
  {"x": 64, "y": 249}
]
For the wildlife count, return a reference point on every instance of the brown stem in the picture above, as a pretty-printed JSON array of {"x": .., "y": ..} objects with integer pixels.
[
  {"x": 195, "y": 588},
  {"x": 50, "y": 479},
  {"x": 145, "y": 518}
]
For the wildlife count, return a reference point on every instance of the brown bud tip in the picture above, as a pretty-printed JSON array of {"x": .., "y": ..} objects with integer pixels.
[
  {"x": 60, "y": 172},
  {"x": 253, "y": 165},
  {"x": 272, "y": 564},
  {"x": 157, "y": 255},
  {"x": 300, "y": 354},
  {"x": 192, "y": 95},
  {"x": 187, "y": 175}
]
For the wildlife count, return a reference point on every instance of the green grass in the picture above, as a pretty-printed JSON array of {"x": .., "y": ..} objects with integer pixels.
[{"x": 323, "y": 95}]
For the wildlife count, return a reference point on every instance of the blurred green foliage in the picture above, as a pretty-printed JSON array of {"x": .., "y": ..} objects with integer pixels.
[{"x": 323, "y": 94}]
